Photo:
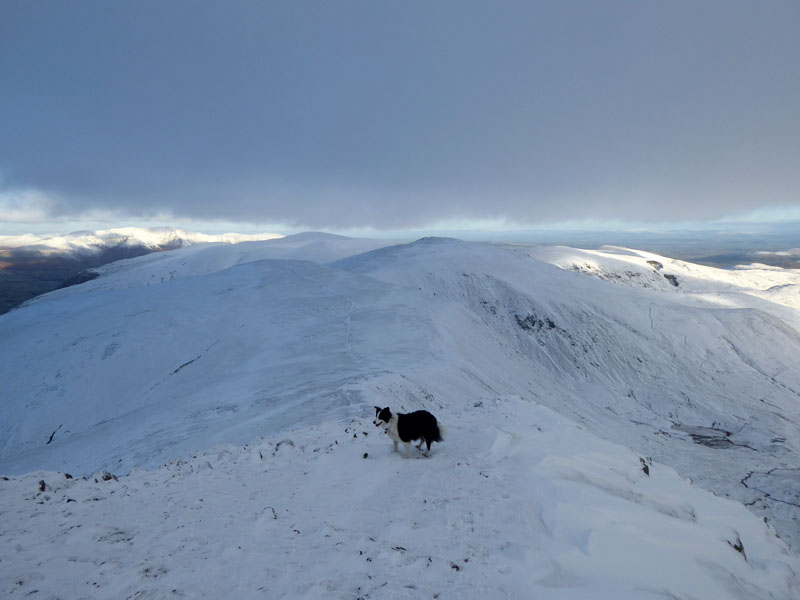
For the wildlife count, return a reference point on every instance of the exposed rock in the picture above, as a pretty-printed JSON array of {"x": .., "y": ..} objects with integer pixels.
[{"x": 672, "y": 279}]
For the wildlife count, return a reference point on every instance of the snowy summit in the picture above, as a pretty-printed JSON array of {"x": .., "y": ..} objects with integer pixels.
[{"x": 199, "y": 423}]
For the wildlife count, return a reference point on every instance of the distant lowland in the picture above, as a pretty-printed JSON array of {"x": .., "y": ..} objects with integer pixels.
[{"x": 26, "y": 274}]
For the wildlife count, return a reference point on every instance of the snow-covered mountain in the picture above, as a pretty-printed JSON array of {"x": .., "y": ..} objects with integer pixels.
[
  {"x": 204, "y": 259},
  {"x": 610, "y": 414},
  {"x": 155, "y": 238},
  {"x": 31, "y": 265}
]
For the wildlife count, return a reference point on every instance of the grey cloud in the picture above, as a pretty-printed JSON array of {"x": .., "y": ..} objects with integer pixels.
[{"x": 397, "y": 114}]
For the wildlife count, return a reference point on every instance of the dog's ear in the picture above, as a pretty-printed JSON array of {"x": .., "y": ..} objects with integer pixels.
[{"x": 377, "y": 409}]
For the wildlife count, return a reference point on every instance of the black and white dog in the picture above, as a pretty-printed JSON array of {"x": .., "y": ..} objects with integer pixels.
[{"x": 418, "y": 425}]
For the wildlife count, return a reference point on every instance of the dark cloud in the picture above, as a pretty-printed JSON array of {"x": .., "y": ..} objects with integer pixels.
[{"x": 336, "y": 114}]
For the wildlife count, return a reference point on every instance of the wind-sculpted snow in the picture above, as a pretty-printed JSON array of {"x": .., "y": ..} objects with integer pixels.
[
  {"x": 135, "y": 368},
  {"x": 518, "y": 503},
  {"x": 633, "y": 362}
]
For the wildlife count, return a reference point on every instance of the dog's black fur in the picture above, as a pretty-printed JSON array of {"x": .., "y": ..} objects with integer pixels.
[{"x": 418, "y": 425}]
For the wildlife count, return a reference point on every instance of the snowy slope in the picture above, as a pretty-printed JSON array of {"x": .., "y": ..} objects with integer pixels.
[
  {"x": 643, "y": 269},
  {"x": 518, "y": 503},
  {"x": 709, "y": 387},
  {"x": 129, "y": 377},
  {"x": 207, "y": 258},
  {"x": 135, "y": 368}
]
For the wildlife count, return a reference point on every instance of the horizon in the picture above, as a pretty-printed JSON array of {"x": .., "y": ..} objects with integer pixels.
[
  {"x": 411, "y": 118},
  {"x": 719, "y": 244}
]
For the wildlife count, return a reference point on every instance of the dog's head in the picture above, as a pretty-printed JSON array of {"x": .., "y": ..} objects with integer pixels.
[{"x": 382, "y": 416}]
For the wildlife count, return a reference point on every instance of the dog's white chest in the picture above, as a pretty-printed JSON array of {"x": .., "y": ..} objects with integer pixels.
[{"x": 391, "y": 429}]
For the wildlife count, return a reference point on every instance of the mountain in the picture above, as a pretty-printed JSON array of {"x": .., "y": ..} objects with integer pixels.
[
  {"x": 31, "y": 265},
  {"x": 95, "y": 242},
  {"x": 609, "y": 414}
]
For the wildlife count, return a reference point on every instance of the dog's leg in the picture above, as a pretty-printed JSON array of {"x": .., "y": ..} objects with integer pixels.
[
  {"x": 421, "y": 441},
  {"x": 395, "y": 447},
  {"x": 428, "y": 450},
  {"x": 407, "y": 445}
]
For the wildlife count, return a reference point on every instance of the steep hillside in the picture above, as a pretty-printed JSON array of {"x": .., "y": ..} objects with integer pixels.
[
  {"x": 703, "y": 380},
  {"x": 134, "y": 367},
  {"x": 646, "y": 270}
]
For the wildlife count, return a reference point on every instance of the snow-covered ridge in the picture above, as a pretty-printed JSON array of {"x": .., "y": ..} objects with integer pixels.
[
  {"x": 137, "y": 367},
  {"x": 518, "y": 503},
  {"x": 205, "y": 259},
  {"x": 641, "y": 269},
  {"x": 154, "y": 238}
]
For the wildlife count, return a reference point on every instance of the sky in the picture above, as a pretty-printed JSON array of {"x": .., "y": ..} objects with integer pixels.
[{"x": 373, "y": 116}]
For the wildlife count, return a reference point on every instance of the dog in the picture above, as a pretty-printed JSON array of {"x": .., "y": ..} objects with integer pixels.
[{"x": 418, "y": 425}]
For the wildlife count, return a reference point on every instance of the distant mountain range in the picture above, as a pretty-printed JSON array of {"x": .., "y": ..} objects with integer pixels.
[{"x": 31, "y": 264}]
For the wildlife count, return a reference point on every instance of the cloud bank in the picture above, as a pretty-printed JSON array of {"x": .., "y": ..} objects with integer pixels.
[{"x": 390, "y": 116}]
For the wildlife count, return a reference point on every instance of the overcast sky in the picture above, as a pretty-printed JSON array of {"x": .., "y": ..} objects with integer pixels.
[{"x": 390, "y": 115}]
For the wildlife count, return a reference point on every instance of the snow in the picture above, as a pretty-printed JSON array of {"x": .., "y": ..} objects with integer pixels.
[
  {"x": 230, "y": 391},
  {"x": 16, "y": 241},
  {"x": 519, "y": 503},
  {"x": 90, "y": 241},
  {"x": 644, "y": 269},
  {"x": 208, "y": 258}
]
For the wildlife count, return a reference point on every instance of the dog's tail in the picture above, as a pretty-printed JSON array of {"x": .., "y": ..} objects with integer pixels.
[{"x": 442, "y": 431}]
